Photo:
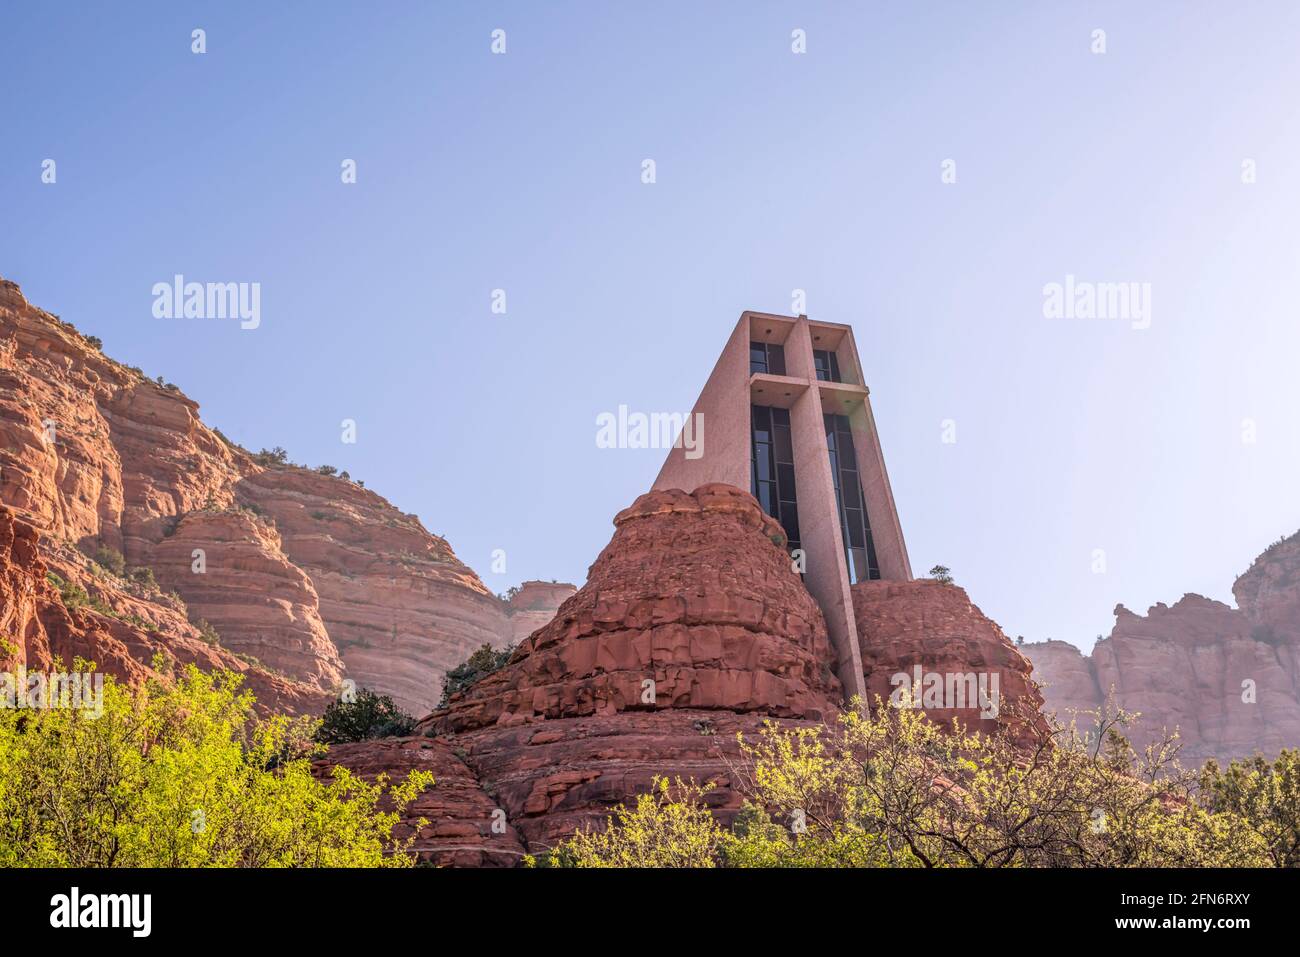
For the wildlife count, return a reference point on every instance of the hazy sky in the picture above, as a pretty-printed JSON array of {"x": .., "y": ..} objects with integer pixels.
[{"x": 775, "y": 171}]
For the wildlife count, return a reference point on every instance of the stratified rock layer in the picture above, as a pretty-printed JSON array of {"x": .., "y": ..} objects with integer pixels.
[
  {"x": 935, "y": 627},
  {"x": 123, "y": 637},
  {"x": 1228, "y": 679}
]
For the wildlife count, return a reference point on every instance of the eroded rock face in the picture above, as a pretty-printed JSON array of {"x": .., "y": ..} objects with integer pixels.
[
  {"x": 313, "y": 575},
  {"x": 123, "y": 639},
  {"x": 925, "y": 624},
  {"x": 690, "y": 594},
  {"x": 1227, "y": 678},
  {"x": 461, "y": 827},
  {"x": 230, "y": 570},
  {"x": 397, "y": 603},
  {"x": 566, "y": 774}
]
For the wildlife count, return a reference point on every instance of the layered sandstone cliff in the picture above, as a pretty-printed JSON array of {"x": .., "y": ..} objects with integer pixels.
[
  {"x": 125, "y": 629},
  {"x": 312, "y": 576},
  {"x": 1227, "y": 678}
]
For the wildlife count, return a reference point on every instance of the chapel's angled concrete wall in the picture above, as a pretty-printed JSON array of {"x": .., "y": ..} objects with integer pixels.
[{"x": 724, "y": 406}]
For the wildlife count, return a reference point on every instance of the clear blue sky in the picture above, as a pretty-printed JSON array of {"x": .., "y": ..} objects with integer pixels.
[{"x": 775, "y": 171}]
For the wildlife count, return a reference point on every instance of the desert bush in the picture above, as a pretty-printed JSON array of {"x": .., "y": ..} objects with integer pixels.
[
  {"x": 369, "y": 715},
  {"x": 479, "y": 665},
  {"x": 111, "y": 559},
  {"x": 179, "y": 773},
  {"x": 942, "y": 574}
]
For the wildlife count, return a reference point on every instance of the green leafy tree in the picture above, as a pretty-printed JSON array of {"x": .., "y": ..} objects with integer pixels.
[
  {"x": 941, "y": 574},
  {"x": 179, "y": 773},
  {"x": 1266, "y": 795},
  {"x": 478, "y": 666},
  {"x": 369, "y": 715}
]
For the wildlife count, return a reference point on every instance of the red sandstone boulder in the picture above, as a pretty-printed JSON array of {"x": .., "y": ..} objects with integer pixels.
[{"x": 934, "y": 627}]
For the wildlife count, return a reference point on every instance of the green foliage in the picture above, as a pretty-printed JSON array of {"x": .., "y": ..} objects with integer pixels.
[
  {"x": 942, "y": 574},
  {"x": 479, "y": 665},
  {"x": 370, "y": 715},
  {"x": 178, "y": 773},
  {"x": 669, "y": 827},
  {"x": 111, "y": 559},
  {"x": 1266, "y": 796},
  {"x": 143, "y": 577},
  {"x": 207, "y": 632},
  {"x": 95, "y": 342},
  {"x": 275, "y": 456},
  {"x": 73, "y": 595},
  {"x": 327, "y": 470}
]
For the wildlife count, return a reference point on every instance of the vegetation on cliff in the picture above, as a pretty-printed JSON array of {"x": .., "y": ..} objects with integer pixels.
[
  {"x": 474, "y": 669},
  {"x": 368, "y": 715}
]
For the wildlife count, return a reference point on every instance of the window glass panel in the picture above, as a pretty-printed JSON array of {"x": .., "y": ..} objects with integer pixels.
[
  {"x": 849, "y": 487},
  {"x": 765, "y": 496},
  {"x": 822, "y": 364},
  {"x": 781, "y": 417},
  {"x": 763, "y": 461},
  {"x": 776, "y": 359},
  {"x": 785, "y": 481},
  {"x": 784, "y": 450},
  {"x": 835, "y": 368},
  {"x": 853, "y": 517}
]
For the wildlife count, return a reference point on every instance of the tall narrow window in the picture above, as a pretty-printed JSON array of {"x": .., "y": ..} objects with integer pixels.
[
  {"x": 772, "y": 468},
  {"x": 859, "y": 551},
  {"x": 766, "y": 357},
  {"x": 827, "y": 365}
]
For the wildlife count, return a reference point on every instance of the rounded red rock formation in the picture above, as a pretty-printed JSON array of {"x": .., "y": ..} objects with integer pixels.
[
  {"x": 692, "y": 604},
  {"x": 934, "y": 626}
]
